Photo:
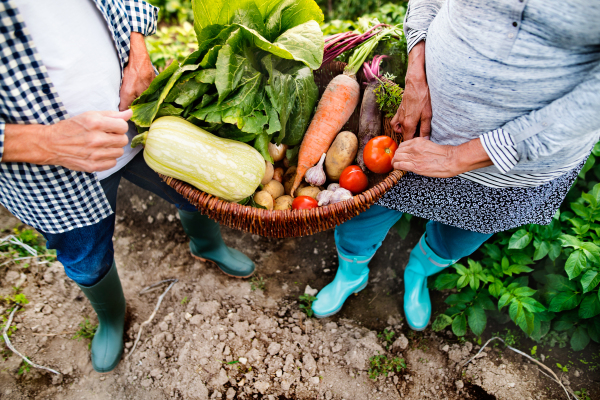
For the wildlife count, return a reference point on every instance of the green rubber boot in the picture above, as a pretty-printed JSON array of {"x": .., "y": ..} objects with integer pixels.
[
  {"x": 108, "y": 301},
  {"x": 206, "y": 243}
]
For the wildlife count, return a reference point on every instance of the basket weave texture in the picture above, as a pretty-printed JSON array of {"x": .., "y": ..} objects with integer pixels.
[{"x": 292, "y": 223}]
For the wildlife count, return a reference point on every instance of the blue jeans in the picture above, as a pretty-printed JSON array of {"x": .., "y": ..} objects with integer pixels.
[
  {"x": 361, "y": 235},
  {"x": 87, "y": 253}
]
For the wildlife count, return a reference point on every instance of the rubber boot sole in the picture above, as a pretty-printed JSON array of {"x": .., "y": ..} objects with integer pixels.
[
  {"x": 338, "y": 310},
  {"x": 217, "y": 265},
  {"x": 415, "y": 329}
]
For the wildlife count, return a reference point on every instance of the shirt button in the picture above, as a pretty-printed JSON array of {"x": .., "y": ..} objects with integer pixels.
[
  {"x": 515, "y": 24},
  {"x": 46, "y": 89},
  {"x": 511, "y": 35}
]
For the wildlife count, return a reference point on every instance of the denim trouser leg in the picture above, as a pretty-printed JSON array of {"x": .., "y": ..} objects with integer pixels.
[
  {"x": 361, "y": 235},
  {"x": 87, "y": 253}
]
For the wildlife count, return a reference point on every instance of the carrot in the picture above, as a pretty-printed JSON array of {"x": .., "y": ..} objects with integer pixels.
[{"x": 335, "y": 108}]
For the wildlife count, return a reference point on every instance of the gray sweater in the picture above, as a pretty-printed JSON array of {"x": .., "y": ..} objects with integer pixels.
[{"x": 527, "y": 69}]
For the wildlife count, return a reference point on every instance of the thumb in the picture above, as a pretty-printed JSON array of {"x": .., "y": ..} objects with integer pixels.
[{"x": 124, "y": 115}]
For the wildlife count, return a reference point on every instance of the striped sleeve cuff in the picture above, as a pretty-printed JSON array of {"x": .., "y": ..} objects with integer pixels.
[
  {"x": 413, "y": 37},
  {"x": 2, "y": 126},
  {"x": 142, "y": 16},
  {"x": 501, "y": 148}
]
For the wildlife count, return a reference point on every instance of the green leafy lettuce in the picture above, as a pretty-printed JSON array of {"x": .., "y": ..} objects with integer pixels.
[{"x": 250, "y": 79}]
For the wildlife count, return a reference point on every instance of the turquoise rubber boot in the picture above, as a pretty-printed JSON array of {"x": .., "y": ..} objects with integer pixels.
[
  {"x": 352, "y": 276},
  {"x": 423, "y": 262},
  {"x": 206, "y": 243},
  {"x": 108, "y": 301}
]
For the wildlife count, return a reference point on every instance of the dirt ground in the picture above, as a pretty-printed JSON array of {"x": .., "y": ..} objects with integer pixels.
[{"x": 216, "y": 338}]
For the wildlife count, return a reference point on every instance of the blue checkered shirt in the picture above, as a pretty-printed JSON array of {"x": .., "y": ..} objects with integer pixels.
[{"x": 49, "y": 197}]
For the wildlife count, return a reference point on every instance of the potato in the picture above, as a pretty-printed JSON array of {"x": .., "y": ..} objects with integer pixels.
[
  {"x": 340, "y": 155},
  {"x": 278, "y": 174},
  {"x": 268, "y": 173},
  {"x": 310, "y": 191},
  {"x": 274, "y": 188},
  {"x": 284, "y": 203},
  {"x": 264, "y": 199}
]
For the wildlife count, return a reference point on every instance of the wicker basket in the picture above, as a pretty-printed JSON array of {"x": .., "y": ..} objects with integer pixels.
[{"x": 291, "y": 223}]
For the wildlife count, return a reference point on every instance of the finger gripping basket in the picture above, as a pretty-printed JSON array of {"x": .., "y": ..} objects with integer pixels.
[{"x": 291, "y": 223}]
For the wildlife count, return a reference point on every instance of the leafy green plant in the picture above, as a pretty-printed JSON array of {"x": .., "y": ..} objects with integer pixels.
[
  {"x": 170, "y": 44},
  {"x": 381, "y": 365},
  {"x": 258, "y": 282},
  {"x": 562, "y": 368},
  {"x": 29, "y": 238},
  {"x": 583, "y": 394},
  {"x": 185, "y": 300},
  {"x": 387, "y": 336},
  {"x": 86, "y": 330},
  {"x": 562, "y": 300},
  {"x": 23, "y": 368},
  {"x": 173, "y": 11},
  {"x": 388, "y": 96},
  {"x": 306, "y": 301}
]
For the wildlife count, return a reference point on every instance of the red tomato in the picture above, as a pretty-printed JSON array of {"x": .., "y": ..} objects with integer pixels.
[
  {"x": 378, "y": 154},
  {"x": 354, "y": 179},
  {"x": 304, "y": 203}
]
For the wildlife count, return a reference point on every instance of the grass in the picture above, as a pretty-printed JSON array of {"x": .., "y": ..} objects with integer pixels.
[
  {"x": 583, "y": 394},
  {"x": 23, "y": 368},
  {"x": 32, "y": 239},
  {"x": 258, "y": 282},
  {"x": 86, "y": 330},
  {"x": 381, "y": 365},
  {"x": 306, "y": 301}
]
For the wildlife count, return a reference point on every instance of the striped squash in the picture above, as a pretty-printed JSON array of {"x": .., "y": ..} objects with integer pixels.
[{"x": 225, "y": 168}]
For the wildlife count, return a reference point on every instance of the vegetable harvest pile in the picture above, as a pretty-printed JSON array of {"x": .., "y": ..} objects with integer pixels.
[{"x": 233, "y": 114}]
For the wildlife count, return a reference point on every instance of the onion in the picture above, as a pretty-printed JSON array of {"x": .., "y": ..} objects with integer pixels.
[{"x": 277, "y": 151}]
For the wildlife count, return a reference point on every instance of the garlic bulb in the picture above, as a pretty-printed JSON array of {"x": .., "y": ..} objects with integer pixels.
[
  {"x": 340, "y": 194},
  {"x": 315, "y": 175},
  {"x": 333, "y": 187},
  {"x": 324, "y": 197}
]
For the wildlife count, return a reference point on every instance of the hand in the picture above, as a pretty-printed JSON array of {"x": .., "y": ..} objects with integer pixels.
[
  {"x": 89, "y": 142},
  {"x": 423, "y": 157},
  {"x": 138, "y": 74},
  {"x": 416, "y": 102}
]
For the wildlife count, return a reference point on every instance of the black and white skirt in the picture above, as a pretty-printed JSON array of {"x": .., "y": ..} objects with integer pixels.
[{"x": 471, "y": 206}]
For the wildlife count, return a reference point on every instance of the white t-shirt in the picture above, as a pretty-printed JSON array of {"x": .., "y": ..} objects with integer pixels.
[{"x": 79, "y": 53}]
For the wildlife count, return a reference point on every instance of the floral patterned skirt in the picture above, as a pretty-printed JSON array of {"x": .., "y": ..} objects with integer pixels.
[{"x": 468, "y": 205}]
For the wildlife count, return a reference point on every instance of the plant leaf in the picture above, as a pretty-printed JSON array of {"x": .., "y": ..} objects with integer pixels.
[
  {"x": 590, "y": 280},
  {"x": 441, "y": 322},
  {"x": 590, "y": 306},
  {"x": 459, "y": 325},
  {"x": 520, "y": 239},
  {"x": 580, "y": 339},
  {"x": 564, "y": 301},
  {"x": 477, "y": 319},
  {"x": 576, "y": 263}
]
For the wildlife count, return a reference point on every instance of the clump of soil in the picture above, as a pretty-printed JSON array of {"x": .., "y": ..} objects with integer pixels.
[{"x": 216, "y": 338}]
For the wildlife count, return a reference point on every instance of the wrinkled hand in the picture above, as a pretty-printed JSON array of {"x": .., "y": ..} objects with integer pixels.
[
  {"x": 88, "y": 142},
  {"x": 416, "y": 102},
  {"x": 426, "y": 158},
  {"x": 138, "y": 74}
]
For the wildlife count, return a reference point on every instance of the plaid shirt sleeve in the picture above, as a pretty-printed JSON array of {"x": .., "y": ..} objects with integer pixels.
[
  {"x": 142, "y": 16},
  {"x": 2, "y": 125}
]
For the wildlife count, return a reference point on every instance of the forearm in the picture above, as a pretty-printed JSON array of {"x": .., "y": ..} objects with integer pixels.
[
  {"x": 138, "y": 52},
  {"x": 25, "y": 143},
  {"x": 469, "y": 156}
]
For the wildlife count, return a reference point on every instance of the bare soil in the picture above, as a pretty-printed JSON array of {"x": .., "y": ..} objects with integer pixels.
[{"x": 216, "y": 338}]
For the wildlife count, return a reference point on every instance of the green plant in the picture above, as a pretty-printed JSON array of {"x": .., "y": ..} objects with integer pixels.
[
  {"x": 185, "y": 300},
  {"x": 172, "y": 43},
  {"x": 173, "y": 11},
  {"x": 86, "y": 330},
  {"x": 388, "y": 96},
  {"x": 554, "y": 338},
  {"x": 258, "y": 282},
  {"x": 306, "y": 301},
  {"x": 381, "y": 365},
  {"x": 533, "y": 351},
  {"x": 29, "y": 238},
  {"x": 583, "y": 394},
  {"x": 387, "y": 337},
  {"x": 562, "y": 368},
  {"x": 23, "y": 368},
  {"x": 563, "y": 259}
]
